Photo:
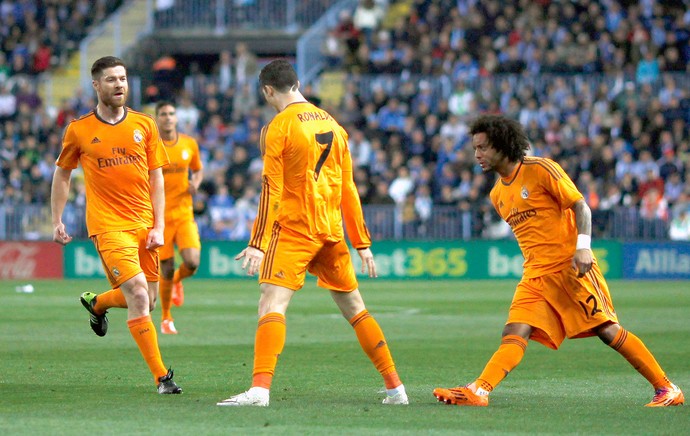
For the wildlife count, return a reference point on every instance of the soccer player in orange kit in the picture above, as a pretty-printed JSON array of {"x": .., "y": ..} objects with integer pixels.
[
  {"x": 308, "y": 190},
  {"x": 562, "y": 292},
  {"x": 122, "y": 156},
  {"x": 180, "y": 228}
]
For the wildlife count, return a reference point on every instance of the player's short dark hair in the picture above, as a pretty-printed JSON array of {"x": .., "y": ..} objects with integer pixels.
[
  {"x": 280, "y": 75},
  {"x": 162, "y": 103},
  {"x": 503, "y": 134},
  {"x": 103, "y": 63}
]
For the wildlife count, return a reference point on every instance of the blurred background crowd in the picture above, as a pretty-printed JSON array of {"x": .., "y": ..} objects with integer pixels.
[{"x": 602, "y": 87}]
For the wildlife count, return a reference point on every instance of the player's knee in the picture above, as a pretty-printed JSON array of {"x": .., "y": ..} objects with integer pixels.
[
  {"x": 192, "y": 265},
  {"x": 518, "y": 329},
  {"x": 607, "y": 332},
  {"x": 168, "y": 275},
  {"x": 167, "y": 269}
]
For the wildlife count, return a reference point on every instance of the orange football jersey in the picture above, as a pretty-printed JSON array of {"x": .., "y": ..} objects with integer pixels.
[
  {"x": 116, "y": 159},
  {"x": 308, "y": 185},
  {"x": 535, "y": 201},
  {"x": 184, "y": 155}
]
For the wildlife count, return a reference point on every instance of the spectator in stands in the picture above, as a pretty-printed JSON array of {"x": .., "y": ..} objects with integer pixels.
[
  {"x": 654, "y": 205},
  {"x": 367, "y": 19},
  {"x": 42, "y": 57},
  {"x": 8, "y": 103},
  {"x": 165, "y": 77},
  {"x": 402, "y": 185},
  {"x": 188, "y": 115},
  {"x": 360, "y": 148},
  {"x": 460, "y": 101},
  {"x": 679, "y": 230},
  {"x": 423, "y": 203},
  {"x": 224, "y": 70},
  {"x": 381, "y": 195},
  {"x": 673, "y": 188},
  {"x": 246, "y": 66},
  {"x": 244, "y": 101},
  {"x": 222, "y": 213},
  {"x": 648, "y": 68},
  {"x": 334, "y": 49}
]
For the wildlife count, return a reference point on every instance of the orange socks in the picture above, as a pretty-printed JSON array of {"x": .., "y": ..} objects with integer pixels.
[
  {"x": 507, "y": 357},
  {"x": 269, "y": 343},
  {"x": 144, "y": 333},
  {"x": 374, "y": 345},
  {"x": 165, "y": 291},
  {"x": 182, "y": 273},
  {"x": 635, "y": 352},
  {"x": 108, "y": 299}
]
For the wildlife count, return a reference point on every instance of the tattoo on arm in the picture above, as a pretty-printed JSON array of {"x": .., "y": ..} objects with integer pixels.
[{"x": 583, "y": 217}]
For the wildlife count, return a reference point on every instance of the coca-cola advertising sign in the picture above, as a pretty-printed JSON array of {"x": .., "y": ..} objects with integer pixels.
[{"x": 30, "y": 260}]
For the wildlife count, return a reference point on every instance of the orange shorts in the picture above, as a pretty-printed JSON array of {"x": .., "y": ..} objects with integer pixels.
[
  {"x": 560, "y": 305},
  {"x": 124, "y": 255},
  {"x": 184, "y": 234},
  {"x": 290, "y": 255}
]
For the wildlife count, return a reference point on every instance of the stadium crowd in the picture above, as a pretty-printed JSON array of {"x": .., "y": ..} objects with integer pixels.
[{"x": 601, "y": 87}]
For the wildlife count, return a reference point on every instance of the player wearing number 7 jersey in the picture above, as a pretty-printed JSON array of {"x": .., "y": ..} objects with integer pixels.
[
  {"x": 307, "y": 191},
  {"x": 562, "y": 292}
]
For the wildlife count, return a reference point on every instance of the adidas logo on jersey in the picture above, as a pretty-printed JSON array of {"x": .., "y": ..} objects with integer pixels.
[
  {"x": 95, "y": 140},
  {"x": 280, "y": 275}
]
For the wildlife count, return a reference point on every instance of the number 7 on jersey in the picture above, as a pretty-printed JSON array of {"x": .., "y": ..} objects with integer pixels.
[{"x": 327, "y": 139}]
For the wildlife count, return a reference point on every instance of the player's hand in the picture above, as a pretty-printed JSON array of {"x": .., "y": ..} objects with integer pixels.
[
  {"x": 154, "y": 239},
  {"x": 60, "y": 235},
  {"x": 582, "y": 261},
  {"x": 368, "y": 263},
  {"x": 191, "y": 189},
  {"x": 252, "y": 259}
]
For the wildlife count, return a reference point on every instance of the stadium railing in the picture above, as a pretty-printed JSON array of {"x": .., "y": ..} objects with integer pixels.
[
  {"x": 442, "y": 86},
  {"x": 221, "y": 16},
  {"x": 385, "y": 222}
]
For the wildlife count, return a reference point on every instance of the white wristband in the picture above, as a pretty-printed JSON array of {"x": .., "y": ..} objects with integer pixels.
[{"x": 584, "y": 241}]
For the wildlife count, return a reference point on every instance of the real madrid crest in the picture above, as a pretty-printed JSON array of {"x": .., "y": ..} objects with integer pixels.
[
  {"x": 138, "y": 136},
  {"x": 524, "y": 193}
]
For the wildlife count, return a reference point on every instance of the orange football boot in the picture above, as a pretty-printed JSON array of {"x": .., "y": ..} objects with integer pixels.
[
  {"x": 667, "y": 396},
  {"x": 178, "y": 294}
]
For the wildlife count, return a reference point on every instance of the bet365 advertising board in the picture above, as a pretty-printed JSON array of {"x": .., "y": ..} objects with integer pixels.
[{"x": 394, "y": 260}]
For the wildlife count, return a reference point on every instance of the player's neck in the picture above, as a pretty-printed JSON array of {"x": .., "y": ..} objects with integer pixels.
[
  {"x": 110, "y": 114},
  {"x": 507, "y": 169},
  {"x": 288, "y": 99},
  {"x": 169, "y": 136}
]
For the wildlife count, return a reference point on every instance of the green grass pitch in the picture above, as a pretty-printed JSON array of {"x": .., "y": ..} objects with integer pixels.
[{"x": 57, "y": 377}]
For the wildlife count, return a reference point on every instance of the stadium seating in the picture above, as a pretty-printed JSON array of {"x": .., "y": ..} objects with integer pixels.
[{"x": 586, "y": 101}]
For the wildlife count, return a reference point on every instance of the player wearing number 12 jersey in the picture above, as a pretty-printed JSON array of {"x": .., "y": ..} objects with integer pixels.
[
  {"x": 307, "y": 190},
  {"x": 562, "y": 292}
]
